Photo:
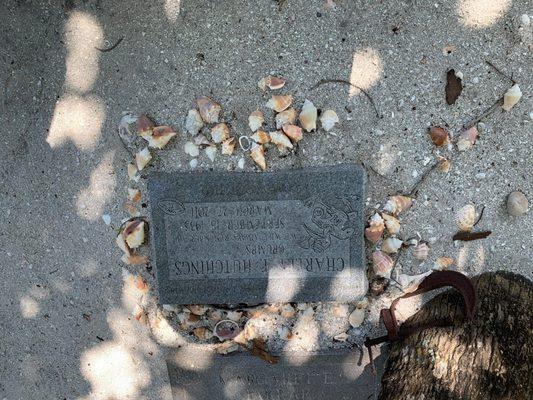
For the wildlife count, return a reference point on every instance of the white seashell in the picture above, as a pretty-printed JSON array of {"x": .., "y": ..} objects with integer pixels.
[
  {"x": 134, "y": 195},
  {"x": 211, "y": 152},
  {"x": 517, "y": 203},
  {"x": 285, "y": 117},
  {"x": 466, "y": 217},
  {"x": 467, "y": 139},
  {"x": 409, "y": 283},
  {"x": 260, "y": 137},
  {"x": 234, "y": 315},
  {"x": 193, "y": 122},
  {"x": 511, "y": 97},
  {"x": 272, "y": 82},
  {"x": 134, "y": 233},
  {"x": 308, "y": 116},
  {"x": 256, "y": 120},
  {"x": 142, "y": 158},
  {"x": 228, "y": 146},
  {"x": 397, "y": 204},
  {"x": 375, "y": 231},
  {"x": 280, "y": 139},
  {"x": 391, "y": 245},
  {"x": 442, "y": 263},
  {"x": 191, "y": 149},
  {"x": 258, "y": 155},
  {"x": 392, "y": 224},
  {"x": 328, "y": 119},
  {"x": 160, "y": 136},
  {"x": 209, "y": 110},
  {"x": 357, "y": 317},
  {"x": 220, "y": 132},
  {"x": 341, "y": 337},
  {"x": 132, "y": 173},
  {"x": 382, "y": 264},
  {"x": 421, "y": 251},
  {"x": 241, "y": 163},
  {"x": 279, "y": 103}
]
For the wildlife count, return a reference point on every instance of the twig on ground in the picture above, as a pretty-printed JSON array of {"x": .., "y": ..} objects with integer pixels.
[
  {"x": 500, "y": 72},
  {"x": 468, "y": 236},
  {"x": 422, "y": 179},
  {"x": 484, "y": 114},
  {"x": 112, "y": 47},
  {"x": 480, "y": 216}
]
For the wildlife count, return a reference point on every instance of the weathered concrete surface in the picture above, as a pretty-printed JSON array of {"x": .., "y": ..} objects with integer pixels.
[{"x": 63, "y": 167}]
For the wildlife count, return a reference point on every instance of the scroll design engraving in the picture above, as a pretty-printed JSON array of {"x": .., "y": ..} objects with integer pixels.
[{"x": 171, "y": 207}]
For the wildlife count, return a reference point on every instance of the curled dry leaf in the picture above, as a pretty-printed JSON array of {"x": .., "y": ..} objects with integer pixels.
[
  {"x": 279, "y": 103},
  {"x": 467, "y": 139},
  {"x": 375, "y": 230},
  {"x": 258, "y": 349},
  {"x": 293, "y": 132},
  {"x": 454, "y": 87},
  {"x": 142, "y": 158},
  {"x": 160, "y": 136},
  {"x": 258, "y": 155},
  {"x": 144, "y": 125},
  {"x": 382, "y": 264},
  {"x": 328, "y": 120},
  {"x": 228, "y": 146},
  {"x": 134, "y": 195},
  {"x": 466, "y": 217},
  {"x": 209, "y": 110},
  {"x": 256, "y": 120},
  {"x": 285, "y": 117},
  {"x": 134, "y": 233},
  {"x": 280, "y": 139},
  {"x": 220, "y": 132},
  {"x": 194, "y": 122},
  {"x": 392, "y": 224},
  {"x": 438, "y": 136},
  {"x": 272, "y": 82},
  {"x": 391, "y": 245},
  {"x": 132, "y": 173},
  {"x": 191, "y": 149},
  {"x": 261, "y": 137},
  {"x": 308, "y": 116},
  {"x": 511, "y": 97},
  {"x": 211, "y": 152},
  {"x": 396, "y": 204}
]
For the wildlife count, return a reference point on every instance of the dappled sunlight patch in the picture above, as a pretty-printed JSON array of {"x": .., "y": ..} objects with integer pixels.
[
  {"x": 386, "y": 157},
  {"x": 305, "y": 338},
  {"x": 481, "y": 13},
  {"x": 193, "y": 358},
  {"x": 279, "y": 287},
  {"x": 471, "y": 258},
  {"x": 344, "y": 284},
  {"x": 91, "y": 200},
  {"x": 367, "y": 68},
  {"x": 78, "y": 119},
  {"x": 172, "y": 9},
  {"x": 29, "y": 307}
]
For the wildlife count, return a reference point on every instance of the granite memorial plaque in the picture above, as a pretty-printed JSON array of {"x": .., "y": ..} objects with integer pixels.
[
  {"x": 246, "y": 237},
  {"x": 335, "y": 375}
]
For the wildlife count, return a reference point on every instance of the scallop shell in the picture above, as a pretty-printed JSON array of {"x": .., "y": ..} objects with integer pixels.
[
  {"x": 279, "y": 103},
  {"x": 517, "y": 203},
  {"x": 228, "y": 146},
  {"x": 467, "y": 139},
  {"x": 382, "y": 264},
  {"x": 466, "y": 217},
  {"x": 160, "y": 136},
  {"x": 421, "y": 251},
  {"x": 226, "y": 329},
  {"x": 391, "y": 245},
  {"x": 256, "y": 120},
  {"x": 193, "y": 122},
  {"x": 220, "y": 132},
  {"x": 132, "y": 173},
  {"x": 439, "y": 136},
  {"x": 279, "y": 138},
  {"x": 443, "y": 263},
  {"x": 134, "y": 195},
  {"x": 142, "y": 158},
  {"x": 258, "y": 155},
  {"x": 144, "y": 125},
  {"x": 397, "y": 204},
  {"x": 272, "y": 82},
  {"x": 392, "y": 224},
  {"x": 261, "y": 137},
  {"x": 285, "y": 117},
  {"x": 191, "y": 149},
  {"x": 511, "y": 97},
  {"x": 134, "y": 233},
  {"x": 308, "y": 116},
  {"x": 211, "y": 152},
  {"x": 328, "y": 119},
  {"x": 293, "y": 132},
  {"x": 209, "y": 110},
  {"x": 357, "y": 317},
  {"x": 375, "y": 231}
]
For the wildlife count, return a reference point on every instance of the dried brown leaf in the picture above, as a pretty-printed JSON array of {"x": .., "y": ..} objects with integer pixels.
[{"x": 454, "y": 87}]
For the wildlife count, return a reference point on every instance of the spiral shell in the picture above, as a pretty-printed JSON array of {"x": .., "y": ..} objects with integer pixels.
[
  {"x": 375, "y": 231},
  {"x": 391, "y": 245},
  {"x": 308, "y": 116},
  {"x": 438, "y": 135},
  {"x": 279, "y": 138},
  {"x": 382, "y": 264},
  {"x": 328, "y": 120},
  {"x": 193, "y": 122},
  {"x": 421, "y": 251},
  {"x": 279, "y": 103},
  {"x": 511, "y": 97},
  {"x": 293, "y": 132},
  {"x": 272, "y": 82},
  {"x": 397, "y": 204},
  {"x": 256, "y": 120},
  {"x": 261, "y": 137},
  {"x": 467, "y": 139},
  {"x": 466, "y": 217},
  {"x": 258, "y": 155},
  {"x": 517, "y": 203},
  {"x": 220, "y": 132},
  {"x": 392, "y": 224},
  {"x": 209, "y": 110},
  {"x": 285, "y": 117}
]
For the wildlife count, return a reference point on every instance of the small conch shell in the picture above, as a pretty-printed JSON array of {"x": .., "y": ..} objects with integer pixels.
[
  {"x": 285, "y": 117},
  {"x": 209, "y": 110},
  {"x": 443, "y": 263},
  {"x": 397, "y": 204},
  {"x": 392, "y": 224},
  {"x": 467, "y": 139},
  {"x": 220, "y": 132},
  {"x": 144, "y": 125},
  {"x": 293, "y": 132},
  {"x": 511, "y": 97},
  {"x": 255, "y": 120},
  {"x": 382, "y": 264},
  {"x": 211, "y": 152},
  {"x": 421, "y": 251},
  {"x": 439, "y": 136},
  {"x": 375, "y": 231},
  {"x": 191, "y": 149},
  {"x": 160, "y": 136},
  {"x": 466, "y": 217},
  {"x": 280, "y": 139},
  {"x": 517, "y": 203},
  {"x": 193, "y": 122},
  {"x": 260, "y": 137},
  {"x": 357, "y": 317},
  {"x": 279, "y": 103},
  {"x": 134, "y": 233},
  {"x": 328, "y": 119},
  {"x": 258, "y": 155},
  {"x": 308, "y": 116},
  {"x": 142, "y": 158},
  {"x": 228, "y": 146},
  {"x": 272, "y": 82},
  {"x": 391, "y": 245}
]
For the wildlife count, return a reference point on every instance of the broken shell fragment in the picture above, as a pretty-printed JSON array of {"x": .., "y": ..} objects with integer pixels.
[
  {"x": 193, "y": 122},
  {"x": 280, "y": 139},
  {"x": 272, "y": 82},
  {"x": 228, "y": 146},
  {"x": 227, "y": 347},
  {"x": 375, "y": 231},
  {"x": 220, "y": 132},
  {"x": 341, "y": 337},
  {"x": 443, "y": 263},
  {"x": 226, "y": 329},
  {"x": 357, "y": 317},
  {"x": 382, "y": 264},
  {"x": 160, "y": 136},
  {"x": 134, "y": 233},
  {"x": 467, "y": 139},
  {"x": 134, "y": 259},
  {"x": 397, "y": 204},
  {"x": 444, "y": 164},
  {"x": 421, "y": 251},
  {"x": 438, "y": 136},
  {"x": 466, "y": 217},
  {"x": 392, "y": 224},
  {"x": 391, "y": 245},
  {"x": 511, "y": 97},
  {"x": 197, "y": 309},
  {"x": 285, "y": 117},
  {"x": 191, "y": 149},
  {"x": 287, "y": 311},
  {"x": 142, "y": 158},
  {"x": 211, "y": 152},
  {"x": 234, "y": 315},
  {"x": 209, "y": 110},
  {"x": 260, "y": 137},
  {"x": 203, "y": 333},
  {"x": 517, "y": 203},
  {"x": 279, "y": 103},
  {"x": 132, "y": 173},
  {"x": 134, "y": 195},
  {"x": 308, "y": 116},
  {"x": 293, "y": 132},
  {"x": 328, "y": 119},
  {"x": 201, "y": 140},
  {"x": 258, "y": 155},
  {"x": 144, "y": 125},
  {"x": 256, "y": 120}
]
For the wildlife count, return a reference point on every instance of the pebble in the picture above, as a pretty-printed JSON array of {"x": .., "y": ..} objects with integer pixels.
[{"x": 106, "y": 218}]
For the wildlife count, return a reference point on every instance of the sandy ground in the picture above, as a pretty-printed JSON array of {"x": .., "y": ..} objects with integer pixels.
[{"x": 66, "y": 330}]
